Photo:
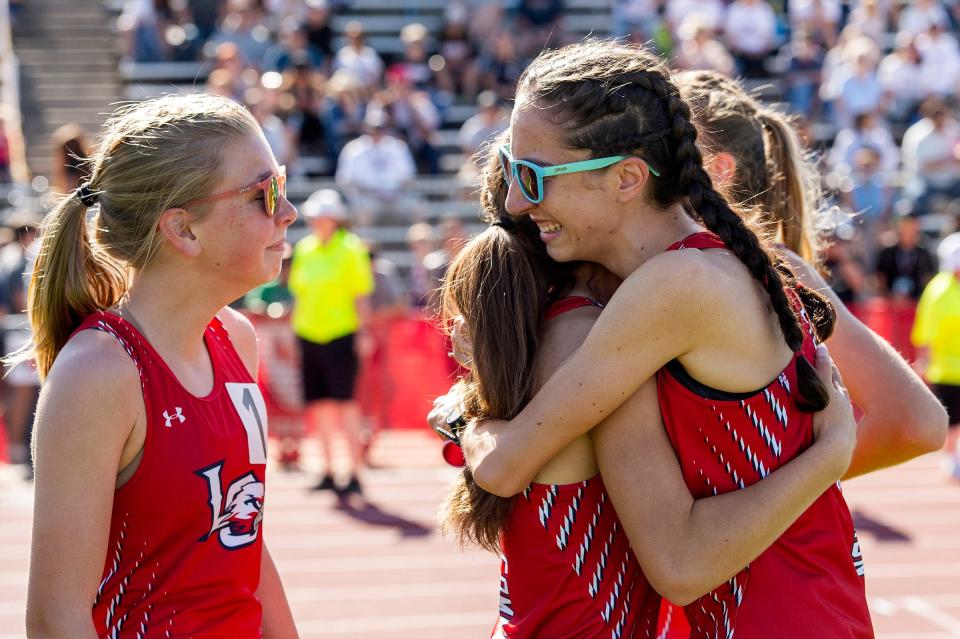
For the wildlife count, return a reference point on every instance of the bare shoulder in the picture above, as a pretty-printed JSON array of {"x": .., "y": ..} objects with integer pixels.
[
  {"x": 674, "y": 282},
  {"x": 804, "y": 271},
  {"x": 243, "y": 336},
  {"x": 93, "y": 381},
  {"x": 562, "y": 336}
]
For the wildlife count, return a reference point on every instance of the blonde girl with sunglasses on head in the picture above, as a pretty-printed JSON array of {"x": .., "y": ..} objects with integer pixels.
[{"x": 150, "y": 432}]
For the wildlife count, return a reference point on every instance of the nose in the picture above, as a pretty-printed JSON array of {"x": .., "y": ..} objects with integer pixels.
[
  {"x": 287, "y": 214},
  {"x": 517, "y": 203}
]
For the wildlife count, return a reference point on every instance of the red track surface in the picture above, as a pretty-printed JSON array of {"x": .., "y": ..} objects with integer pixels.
[{"x": 378, "y": 568}]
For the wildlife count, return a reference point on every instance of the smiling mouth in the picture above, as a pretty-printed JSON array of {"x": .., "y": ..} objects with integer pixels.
[{"x": 548, "y": 227}]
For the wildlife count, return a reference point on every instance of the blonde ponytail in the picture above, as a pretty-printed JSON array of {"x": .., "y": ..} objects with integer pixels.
[{"x": 152, "y": 156}]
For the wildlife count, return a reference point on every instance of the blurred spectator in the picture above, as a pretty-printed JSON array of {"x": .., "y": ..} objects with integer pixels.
[
  {"x": 244, "y": 26},
  {"x": 917, "y": 16},
  {"x": 899, "y": 76},
  {"x": 13, "y": 165},
  {"x": 317, "y": 23},
  {"x": 331, "y": 281},
  {"x": 804, "y": 74},
  {"x": 698, "y": 49},
  {"x": 709, "y": 12},
  {"x": 904, "y": 268},
  {"x": 636, "y": 17},
  {"x": 844, "y": 274},
  {"x": 16, "y": 267},
  {"x": 458, "y": 73},
  {"x": 302, "y": 101},
  {"x": 939, "y": 61},
  {"x": 500, "y": 68},
  {"x": 373, "y": 171},
  {"x": 817, "y": 17},
  {"x": 867, "y": 131},
  {"x": 421, "y": 240},
  {"x": 870, "y": 197},
  {"x": 70, "y": 146},
  {"x": 142, "y": 25},
  {"x": 870, "y": 18},
  {"x": 930, "y": 156},
  {"x": 489, "y": 120},
  {"x": 388, "y": 304},
  {"x": 750, "y": 30},
  {"x": 355, "y": 56},
  {"x": 413, "y": 65},
  {"x": 229, "y": 77},
  {"x": 342, "y": 112},
  {"x": 936, "y": 333},
  {"x": 539, "y": 24},
  {"x": 281, "y": 139},
  {"x": 294, "y": 46},
  {"x": 410, "y": 113},
  {"x": 452, "y": 238},
  {"x": 860, "y": 92}
]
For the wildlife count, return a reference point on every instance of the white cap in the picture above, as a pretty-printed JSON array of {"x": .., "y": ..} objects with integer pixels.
[
  {"x": 949, "y": 253},
  {"x": 324, "y": 203}
]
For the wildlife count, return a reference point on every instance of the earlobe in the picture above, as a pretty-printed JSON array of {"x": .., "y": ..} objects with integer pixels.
[
  {"x": 174, "y": 225},
  {"x": 633, "y": 177}
]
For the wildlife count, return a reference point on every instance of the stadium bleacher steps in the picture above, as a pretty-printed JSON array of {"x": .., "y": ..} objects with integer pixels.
[{"x": 68, "y": 70}]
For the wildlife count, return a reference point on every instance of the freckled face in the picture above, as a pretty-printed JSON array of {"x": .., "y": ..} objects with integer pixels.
[
  {"x": 577, "y": 216},
  {"x": 239, "y": 241}
]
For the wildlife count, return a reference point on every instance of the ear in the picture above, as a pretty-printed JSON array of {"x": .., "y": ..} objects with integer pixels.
[
  {"x": 722, "y": 167},
  {"x": 633, "y": 175},
  {"x": 174, "y": 225}
]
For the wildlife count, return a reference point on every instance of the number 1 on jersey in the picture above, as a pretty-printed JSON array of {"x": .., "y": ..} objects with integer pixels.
[{"x": 252, "y": 410}]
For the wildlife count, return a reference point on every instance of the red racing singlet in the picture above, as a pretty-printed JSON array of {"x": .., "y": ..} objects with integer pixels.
[
  {"x": 183, "y": 558},
  {"x": 567, "y": 569},
  {"x": 809, "y": 583}
]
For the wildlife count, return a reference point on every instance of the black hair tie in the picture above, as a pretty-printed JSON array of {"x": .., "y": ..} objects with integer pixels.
[
  {"x": 86, "y": 195},
  {"x": 505, "y": 223}
]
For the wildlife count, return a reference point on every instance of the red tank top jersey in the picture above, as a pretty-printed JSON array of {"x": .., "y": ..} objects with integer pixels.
[
  {"x": 183, "y": 558},
  {"x": 809, "y": 583},
  {"x": 567, "y": 569}
]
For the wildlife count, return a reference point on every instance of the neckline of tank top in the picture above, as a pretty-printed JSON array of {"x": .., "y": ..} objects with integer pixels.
[
  {"x": 213, "y": 393},
  {"x": 689, "y": 383},
  {"x": 699, "y": 240},
  {"x": 569, "y": 303}
]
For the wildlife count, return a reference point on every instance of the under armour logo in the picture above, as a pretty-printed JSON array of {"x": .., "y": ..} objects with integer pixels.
[{"x": 178, "y": 415}]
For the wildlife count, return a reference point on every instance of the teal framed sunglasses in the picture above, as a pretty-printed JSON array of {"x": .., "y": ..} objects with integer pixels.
[{"x": 530, "y": 175}]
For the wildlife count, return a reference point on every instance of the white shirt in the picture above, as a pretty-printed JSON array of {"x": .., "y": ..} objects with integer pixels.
[
  {"x": 916, "y": 19},
  {"x": 849, "y": 141},
  {"x": 922, "y": 143},
  {"x": 383, "y": 167},
  {"x": 750, "y": 28},
  {"x": 804, "y": 11},
  {"x": 939, "y": 63},
  {"x": 899, "y": 76},
  {"x": 709, "y": 11},
  {"x": 365, "y": 64}
]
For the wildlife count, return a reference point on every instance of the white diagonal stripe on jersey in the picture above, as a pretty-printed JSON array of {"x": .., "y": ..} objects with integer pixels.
[
  {"x": 772, "y": 442},
  {"x": 567, "y": 524},
  {"x": 588, "y": 537},
  {"x": 546, "y": 507},
  {"x": 778, "y": 409},
  {"x": 594, "y": 587}
]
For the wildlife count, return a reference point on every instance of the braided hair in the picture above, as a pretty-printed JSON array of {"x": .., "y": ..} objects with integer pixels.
[{"x": 614, "y": 99}]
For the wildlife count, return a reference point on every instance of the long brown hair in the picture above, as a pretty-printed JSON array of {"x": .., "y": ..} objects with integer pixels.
[
  {"x": 773, "y": 176},
  {"x": 500, "y": 282},
  {"x": 152, "y": 156},
  {"x": 613, "y": 99}
]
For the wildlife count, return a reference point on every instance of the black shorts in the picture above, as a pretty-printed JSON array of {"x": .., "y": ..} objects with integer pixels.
[
  {"x": 329, "y": 370},
  {"x": 949, "y": 396}
]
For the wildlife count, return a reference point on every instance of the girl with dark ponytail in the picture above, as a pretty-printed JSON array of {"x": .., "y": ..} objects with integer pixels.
[{"x": 706, "y": 315}]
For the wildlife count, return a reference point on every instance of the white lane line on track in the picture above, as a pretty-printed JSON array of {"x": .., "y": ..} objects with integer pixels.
[{"x": 923, "y": 608}]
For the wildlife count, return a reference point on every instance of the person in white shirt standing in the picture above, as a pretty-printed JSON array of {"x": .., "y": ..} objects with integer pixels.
[
  {"x": 931, "y": 156},
  {"x": 750, "y": 28}
]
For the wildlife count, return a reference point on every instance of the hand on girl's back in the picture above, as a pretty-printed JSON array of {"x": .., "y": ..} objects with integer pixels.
[{"x": 835, "y": 427}]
